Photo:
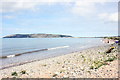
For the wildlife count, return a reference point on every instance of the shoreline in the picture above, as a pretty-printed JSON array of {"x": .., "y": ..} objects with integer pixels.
[
  {"x": 26, "y": 62},
  {"x": 63, "y": 65}
]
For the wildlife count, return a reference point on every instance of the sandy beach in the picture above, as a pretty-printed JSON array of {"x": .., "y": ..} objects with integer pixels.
[{"x": 95, "y": 62}]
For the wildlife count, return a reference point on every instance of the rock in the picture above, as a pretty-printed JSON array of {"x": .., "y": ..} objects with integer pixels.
[{"x": 109, "y": 50}]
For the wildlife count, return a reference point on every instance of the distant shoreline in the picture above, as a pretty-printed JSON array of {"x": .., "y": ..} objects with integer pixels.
[
  {"x": 43, "y": 35},
  {"x": 13, "y": 65}
]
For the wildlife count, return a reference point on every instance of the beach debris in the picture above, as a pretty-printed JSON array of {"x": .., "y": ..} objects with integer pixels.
[
  {"x": 58, "y": 62},
  {"x": 82, "y": 69},
  {"x": 68, "y": 61},
  {"x": 14, "y": 74},
  {"x": 54, "y": 75},
  {"x": 91, "y": 67},
  {"x": 62, "y": 71},
  {"x": 44, "y": 65},
  {"x": 89, "y": 72},
  {"x": 82, "y": 56},
  {"x": 23, "y": 72},
  {"x": 102, "y": 53},
  {"x": 109, "y": 50},
  {"x": 84, "y": 59}
]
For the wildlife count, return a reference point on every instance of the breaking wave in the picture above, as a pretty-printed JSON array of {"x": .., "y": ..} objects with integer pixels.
[{"x": 13, "y": 55}]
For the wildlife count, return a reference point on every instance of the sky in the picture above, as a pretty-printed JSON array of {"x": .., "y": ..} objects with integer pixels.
[{"x": 79, "y": 18}]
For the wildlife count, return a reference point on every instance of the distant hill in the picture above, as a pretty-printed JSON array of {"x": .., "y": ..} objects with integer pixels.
[{"x": 37, "y": 36}]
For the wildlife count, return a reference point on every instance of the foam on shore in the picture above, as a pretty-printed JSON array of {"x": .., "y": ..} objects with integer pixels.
[{"x": 13, "y": 55}]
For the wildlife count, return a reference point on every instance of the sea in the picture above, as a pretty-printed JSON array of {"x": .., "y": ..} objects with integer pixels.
[{"x": 20, "y": 50}]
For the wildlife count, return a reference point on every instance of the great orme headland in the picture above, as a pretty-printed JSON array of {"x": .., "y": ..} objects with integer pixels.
[{"x": 37, "y": 36}]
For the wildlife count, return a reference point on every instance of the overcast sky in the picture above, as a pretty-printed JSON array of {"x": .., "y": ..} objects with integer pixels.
[{"x": 71, "y": 17}]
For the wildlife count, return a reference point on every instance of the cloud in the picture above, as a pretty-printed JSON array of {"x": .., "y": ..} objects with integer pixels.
[
  {"x": 8, "y": 17},
  {"x": 100, "y": 1},
  {"x": 111, "y": 17},
  {"x": 16, "y": 6},
  {"x": 83, "y": 8},
  {"x": 80, "y": 5}
]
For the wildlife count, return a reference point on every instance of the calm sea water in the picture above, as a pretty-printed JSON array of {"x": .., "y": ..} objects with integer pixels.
[{"x": 52, "y": 47}]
